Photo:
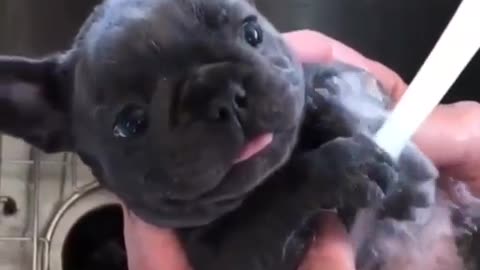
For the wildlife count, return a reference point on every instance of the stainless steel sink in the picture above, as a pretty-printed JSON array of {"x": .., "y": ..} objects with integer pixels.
[{"x": 44, "y": 198}]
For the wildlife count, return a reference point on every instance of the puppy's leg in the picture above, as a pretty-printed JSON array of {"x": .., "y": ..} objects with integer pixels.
[{"x": 343, "y": 100}]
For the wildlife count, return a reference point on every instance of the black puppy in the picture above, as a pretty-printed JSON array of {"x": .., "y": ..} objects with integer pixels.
[{"x": 196, "y": 114}]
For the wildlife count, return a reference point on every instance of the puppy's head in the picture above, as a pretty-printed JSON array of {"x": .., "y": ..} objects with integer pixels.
[{"x": 179, "y": 107}]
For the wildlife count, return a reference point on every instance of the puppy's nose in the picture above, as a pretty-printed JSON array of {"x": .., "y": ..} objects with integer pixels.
[
  {"x": 217, "y": 93},
  {"x": 229, "y": 103}
]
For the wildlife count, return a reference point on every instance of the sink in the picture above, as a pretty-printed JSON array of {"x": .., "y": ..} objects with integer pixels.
[
  {"x": 48, "y": 203},
  {"x": 51, "y": 208}
]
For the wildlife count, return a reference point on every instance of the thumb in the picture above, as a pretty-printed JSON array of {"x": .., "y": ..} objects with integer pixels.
[
  {"x": 451, "y": 137},
  {"x": 331, "y": 249},
  {"x": 151, "y": 248}
]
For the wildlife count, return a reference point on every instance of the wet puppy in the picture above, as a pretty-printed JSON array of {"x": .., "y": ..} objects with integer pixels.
[{"x": 196, "y": 114}]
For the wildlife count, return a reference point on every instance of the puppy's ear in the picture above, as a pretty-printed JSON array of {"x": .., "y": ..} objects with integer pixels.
[{"x": 35, "y": 101}]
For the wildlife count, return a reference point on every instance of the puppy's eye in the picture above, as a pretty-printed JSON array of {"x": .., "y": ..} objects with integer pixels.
[
  {"x": 252, "y": 32},
  {"x": 130, "y": 122}
]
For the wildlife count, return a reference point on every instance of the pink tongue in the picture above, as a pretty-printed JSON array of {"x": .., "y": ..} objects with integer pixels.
[{"x": 254, "y": 146}]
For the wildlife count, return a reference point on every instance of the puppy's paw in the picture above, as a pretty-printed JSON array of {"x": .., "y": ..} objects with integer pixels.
[
  {"x": 403, "y": 201},
  {"x": 358, "y": 171},
  {"x": 346, "y": 99},
  {"x": 415, "y": 188}
]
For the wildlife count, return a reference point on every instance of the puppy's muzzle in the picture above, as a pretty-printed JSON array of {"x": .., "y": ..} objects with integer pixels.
[{"x": 216, "y": 92}]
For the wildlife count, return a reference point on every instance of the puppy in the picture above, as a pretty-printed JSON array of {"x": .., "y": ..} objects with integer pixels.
[{"x": 196, "y": 114}]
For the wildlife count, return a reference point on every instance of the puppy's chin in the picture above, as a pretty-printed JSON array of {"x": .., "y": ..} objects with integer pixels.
[
  {"x": 255, "y": 164},
  {"x": 245, "y": 176}
]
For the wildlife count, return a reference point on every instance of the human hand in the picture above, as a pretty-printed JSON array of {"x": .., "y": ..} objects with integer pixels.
[
  {"x": 450, "y": 137},
  {"x": 152, "y": 248}
]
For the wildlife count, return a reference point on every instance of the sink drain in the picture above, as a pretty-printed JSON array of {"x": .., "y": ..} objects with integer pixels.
[
  {"x": 8, "y": 206},
  {"x": 96, "y": 241},
  {"x": 86, "y": 233}
]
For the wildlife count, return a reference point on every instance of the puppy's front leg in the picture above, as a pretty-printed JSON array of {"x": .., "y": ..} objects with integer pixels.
[{"x": 353, "y": 173}]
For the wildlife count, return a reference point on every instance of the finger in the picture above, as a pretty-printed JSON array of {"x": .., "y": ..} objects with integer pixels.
[
  {"x": 451, "y": 138},
  {"x": 331, "y": 249},
  {"x": 391, "y": 81},
  {"x": 309, "y": 46},
  {"x": 150, "y": 248},
  {"x": 312, "y": 46}
]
